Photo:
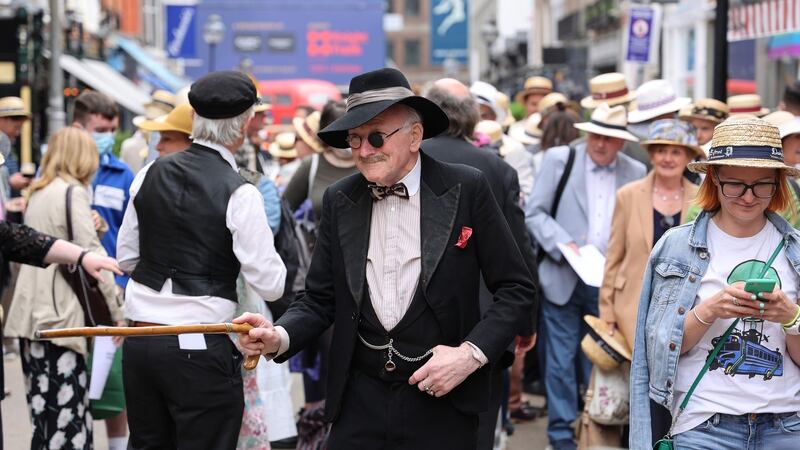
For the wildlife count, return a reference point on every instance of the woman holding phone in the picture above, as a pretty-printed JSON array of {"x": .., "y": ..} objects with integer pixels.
[{"x": 693, "y": 291}]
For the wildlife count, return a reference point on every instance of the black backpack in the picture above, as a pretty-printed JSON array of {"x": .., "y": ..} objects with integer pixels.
[{"x": 291, "y": 246}]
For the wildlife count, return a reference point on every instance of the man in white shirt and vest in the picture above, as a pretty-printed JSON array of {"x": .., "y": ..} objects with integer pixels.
[
  {"x": 399, "y": 256},
  {"x": 192, "y": 226}
]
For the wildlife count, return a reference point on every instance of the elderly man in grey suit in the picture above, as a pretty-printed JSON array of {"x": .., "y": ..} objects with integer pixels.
[{"x": 583, "y": 217}]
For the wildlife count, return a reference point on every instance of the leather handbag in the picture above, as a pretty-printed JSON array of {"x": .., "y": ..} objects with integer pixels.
[{"x": 91, "y": 298}]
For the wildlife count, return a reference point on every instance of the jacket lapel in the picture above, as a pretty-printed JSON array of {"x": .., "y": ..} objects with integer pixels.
[
  {"x": 438, "y": 205},
  {"x": 644, "y": 206},
  {"x": 354, "y": 213}
]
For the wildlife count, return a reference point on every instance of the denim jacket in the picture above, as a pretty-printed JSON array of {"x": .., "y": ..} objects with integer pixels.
[{"x": 669, "y": 289}]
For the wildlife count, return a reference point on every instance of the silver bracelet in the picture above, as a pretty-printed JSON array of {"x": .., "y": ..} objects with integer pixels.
[{"x": 708, "y": 324}]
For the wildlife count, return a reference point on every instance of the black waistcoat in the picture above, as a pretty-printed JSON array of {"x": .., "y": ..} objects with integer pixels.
[
  {"x": 183, "y": 236},
  {"x": 416, "y": 333}
]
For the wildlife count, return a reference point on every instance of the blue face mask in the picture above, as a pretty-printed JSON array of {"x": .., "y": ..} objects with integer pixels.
[{"x": 104, "y": 142}]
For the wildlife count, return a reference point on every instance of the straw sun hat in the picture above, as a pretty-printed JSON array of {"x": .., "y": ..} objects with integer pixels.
[
  {"x": 610, "y": 88},
  {"x": 283, "y": 147},
  {"x": 604, "y": 351},
  {"x": 179, "y": 119},
  {"x": 747, "y": 104},
  {"x": 13, "y": 107},
  {"x": 534, "y": 85},
  {"x": 307, "y": 129},
  {"x": 608, "y": 121},
  {"x": 745, "y": 142},
  {"x": 709, "y": 109},
  {"x": 787, "y": 123},
  {"x": 528, "y": 132}
]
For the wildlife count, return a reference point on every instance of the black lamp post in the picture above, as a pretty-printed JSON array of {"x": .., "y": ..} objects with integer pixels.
[{"x": 213, "y": 33}]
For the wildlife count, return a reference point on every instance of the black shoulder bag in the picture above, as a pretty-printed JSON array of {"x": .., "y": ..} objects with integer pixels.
[{"x": 562, "y": 183}]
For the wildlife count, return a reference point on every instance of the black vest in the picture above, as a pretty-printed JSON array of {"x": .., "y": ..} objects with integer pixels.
[
  {"x": 181, "y": 208},
  {"x": 417, "y": 332}
]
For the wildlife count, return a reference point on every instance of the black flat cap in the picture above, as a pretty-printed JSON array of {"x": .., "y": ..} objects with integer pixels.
[{"x": 223, "y": 94}]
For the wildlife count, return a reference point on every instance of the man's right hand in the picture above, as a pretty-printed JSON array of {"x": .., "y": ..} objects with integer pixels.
[{"x": 262, "y": 339}]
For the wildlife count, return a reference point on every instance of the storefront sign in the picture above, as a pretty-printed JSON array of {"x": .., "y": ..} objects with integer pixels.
[{"x": 643, "y": 34}]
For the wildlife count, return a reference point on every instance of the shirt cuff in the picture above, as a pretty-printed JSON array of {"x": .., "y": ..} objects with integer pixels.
[
  {"x": 478, "y": 354},
  {"x": 284, "y": 347}
]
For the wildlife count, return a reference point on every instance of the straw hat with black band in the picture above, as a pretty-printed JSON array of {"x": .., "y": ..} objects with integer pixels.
[
  {"x": 374, "y": 92},
  {"x": 535, "y": 85},
  {"x": 528, "y": 132},
  {"x": 609, "y": 88},
  {"x": 307, "y": 129},
  {"x": 745, "y": 142},
  {"x": 283, "y": 146},
  {"x": 604, "y": 351},
  {"x": 709, "y": 109},
  {"x": 14, "y": 107},
  {"x": 673, "y": 132},
  {"x": 608, "y": 121}
]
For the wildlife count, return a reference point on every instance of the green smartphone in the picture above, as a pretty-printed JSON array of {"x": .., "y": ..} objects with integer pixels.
[{"x": 759, "y": 285}]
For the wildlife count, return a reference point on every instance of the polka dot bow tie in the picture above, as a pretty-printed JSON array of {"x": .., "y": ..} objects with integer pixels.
[{"x": 379, "y": 192}]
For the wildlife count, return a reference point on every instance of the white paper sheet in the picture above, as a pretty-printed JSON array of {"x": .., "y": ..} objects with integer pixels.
[
  {"x": 588, "y": 265},
  {"x": 102, "y": 357}
]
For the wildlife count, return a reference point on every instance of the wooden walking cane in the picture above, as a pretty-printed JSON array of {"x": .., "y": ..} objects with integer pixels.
[{"x": 250, "y": 362}]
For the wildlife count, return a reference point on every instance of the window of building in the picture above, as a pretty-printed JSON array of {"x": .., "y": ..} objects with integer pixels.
[
  {"x": 412, "y": 50},
  {"x": 388, "y": 6},
  {"x": 412, "y": 7},
  {"x": 390, "y": 50}
]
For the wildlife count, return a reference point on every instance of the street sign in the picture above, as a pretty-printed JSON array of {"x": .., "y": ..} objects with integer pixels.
[
  {"x": 643, "y": 33},
  {"x": 181, "y": 20},
  {"x": 449, "y": 31}
]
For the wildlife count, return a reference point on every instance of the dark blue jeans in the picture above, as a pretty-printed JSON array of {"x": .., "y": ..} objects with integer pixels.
[{"x": 565, "y": 329}]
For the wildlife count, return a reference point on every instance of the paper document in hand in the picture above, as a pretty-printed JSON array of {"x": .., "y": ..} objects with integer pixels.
[
  {"x": 588, "y": 265},
  {"x": 102, "y": 358}
]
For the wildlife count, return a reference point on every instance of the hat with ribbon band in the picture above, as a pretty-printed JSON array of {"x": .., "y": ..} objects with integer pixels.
[
  {"x": 608, "y": 88},
  {"x": 709, "y": 109},
  {"x": 608, "y": 121},
  {"x": 745, "y": 142},
  {"x": 656, "y": 98},
  {"x": 534, "y": 85},
  {"x": 307, "y": 129},
  {"x": 374, "y": 92},
  {"x": 13, "y": 107},
  {"x": 747, "y": 104},
  {"x": 604, "y": 351}
]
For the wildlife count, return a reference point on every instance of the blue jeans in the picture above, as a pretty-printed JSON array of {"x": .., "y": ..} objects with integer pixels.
[
  {"x": 565, "y": 329},
  {"x": 747, "y": 432}
]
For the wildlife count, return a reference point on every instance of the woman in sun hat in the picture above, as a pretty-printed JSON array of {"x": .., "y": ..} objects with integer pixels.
[
  {"x": 174, "y": 130},
  {"x": 692, "y": 292},
  {"x": 704, "y": 115}
]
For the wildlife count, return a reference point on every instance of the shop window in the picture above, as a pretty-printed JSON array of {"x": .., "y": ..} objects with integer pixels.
[{"x": 412, "y": 50}]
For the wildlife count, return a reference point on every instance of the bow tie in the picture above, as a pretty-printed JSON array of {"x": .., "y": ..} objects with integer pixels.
[
  {"x": 379, "y": 192},
  {"x": 609, "y": 168}
]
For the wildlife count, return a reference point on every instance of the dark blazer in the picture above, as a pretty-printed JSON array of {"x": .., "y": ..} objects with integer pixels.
[
  {"x": 452, "y": 197},
  {"x": 504, "y": 183}
]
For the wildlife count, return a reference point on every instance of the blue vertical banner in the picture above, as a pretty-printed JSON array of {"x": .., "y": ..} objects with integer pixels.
[
  {"x": 181, "y": 28},
  {"x": 449, "y": 31},
  {"x": 643, "y": 33}
]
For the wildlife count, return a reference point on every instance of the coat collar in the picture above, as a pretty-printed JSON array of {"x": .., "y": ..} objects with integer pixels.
[{"x": 438, "y": 207}]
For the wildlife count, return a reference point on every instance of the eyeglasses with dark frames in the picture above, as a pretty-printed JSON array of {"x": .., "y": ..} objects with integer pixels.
[
  {"x": 376, "y": 139},
  {"x": 736, "y": 189}
]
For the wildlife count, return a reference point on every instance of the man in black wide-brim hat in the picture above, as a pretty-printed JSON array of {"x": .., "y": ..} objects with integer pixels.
[{"x": 396, "y": 267}]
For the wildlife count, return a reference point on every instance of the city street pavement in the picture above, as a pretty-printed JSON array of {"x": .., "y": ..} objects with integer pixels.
[{"x": 17, "y": 428}]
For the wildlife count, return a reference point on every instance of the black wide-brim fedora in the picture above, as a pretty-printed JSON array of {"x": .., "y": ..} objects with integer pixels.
[{"x": 374, "y": 92}]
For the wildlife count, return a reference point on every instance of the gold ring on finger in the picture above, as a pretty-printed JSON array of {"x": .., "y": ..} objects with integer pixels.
[{"x": 735, "y": 301}]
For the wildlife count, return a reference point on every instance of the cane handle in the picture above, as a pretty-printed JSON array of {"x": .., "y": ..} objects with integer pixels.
[{"x": 251, "y": 362}]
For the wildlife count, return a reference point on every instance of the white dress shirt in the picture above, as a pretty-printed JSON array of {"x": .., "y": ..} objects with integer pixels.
[
  {"x": 601, "y": 189},
  {"x": 253, "y": 246}
]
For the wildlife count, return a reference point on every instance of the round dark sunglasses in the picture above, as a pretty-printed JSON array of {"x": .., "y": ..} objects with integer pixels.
[{"x": 376, "y": 139}]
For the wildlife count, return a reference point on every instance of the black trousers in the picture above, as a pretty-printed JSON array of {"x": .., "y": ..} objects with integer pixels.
[
  {"x": 487, "y": 421},
  {"x": 382, "y": 415},
  {"x": 182, "y": 399}
]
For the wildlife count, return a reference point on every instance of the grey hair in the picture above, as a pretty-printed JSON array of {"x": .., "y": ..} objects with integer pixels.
[
  {"x": 413, "y": 115},
  {"x": 224, "y": 132},
  {"x": 462, "y": 111}
]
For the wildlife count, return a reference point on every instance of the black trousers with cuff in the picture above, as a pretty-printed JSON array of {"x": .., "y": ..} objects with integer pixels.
[{"x": 182, "y": 399}]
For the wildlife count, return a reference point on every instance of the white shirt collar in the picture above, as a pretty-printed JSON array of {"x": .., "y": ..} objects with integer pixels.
[
  {"x": 413, "y": 178},
  {"x": 224, "y": 152}
]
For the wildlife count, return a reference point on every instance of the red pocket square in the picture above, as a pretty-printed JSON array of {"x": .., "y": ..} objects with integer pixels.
[{"x": 466, "y": 233}]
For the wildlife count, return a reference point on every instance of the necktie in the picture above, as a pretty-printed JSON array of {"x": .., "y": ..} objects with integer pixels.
[{"x": 379, "y": 192}]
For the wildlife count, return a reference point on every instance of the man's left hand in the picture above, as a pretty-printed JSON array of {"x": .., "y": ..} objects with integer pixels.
[{"x": 447, "y": 368}]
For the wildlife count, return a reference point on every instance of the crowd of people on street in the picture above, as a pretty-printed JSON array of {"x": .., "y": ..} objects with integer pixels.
[{"x": 424, "y": 258}]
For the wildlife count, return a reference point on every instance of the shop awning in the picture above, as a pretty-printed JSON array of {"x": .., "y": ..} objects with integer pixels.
[
  {"x": 101, "y": 77},
  {"x": 763, "y": 19},
  {"x": 150, "y": 64},
  {"x": 785, "y": 45}
]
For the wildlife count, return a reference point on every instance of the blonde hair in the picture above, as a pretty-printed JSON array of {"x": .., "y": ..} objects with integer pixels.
[{"x": 70, "y": 152}]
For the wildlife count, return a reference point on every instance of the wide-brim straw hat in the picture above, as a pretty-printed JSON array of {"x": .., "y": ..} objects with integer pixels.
[
  {"x": 745, "y": 142},
  {"x": 374, "y": 92},
  {"x": 528, "y": 131},
  {"x": 608, "y": 121},
  {"x": 534, "y": 85},
  {"x": 709, "y": 109},
  {"x": 604, "y": 351},
  {"x": 746, "y": 104},
  {"x": 491, "y": 129},
  {"x": 656, "y": 98},
  {"x": 283, "y": 146},
  {"x": 609, "y": 88},
  {"x": 673, "y": 132},
  {"x": 307, "y": 129},
  {"x": 13, "y": 107},
  {"x": 179, "y": 119},
  {"x": 787, "y": 123},
  {"x": 550, "y": 100}
]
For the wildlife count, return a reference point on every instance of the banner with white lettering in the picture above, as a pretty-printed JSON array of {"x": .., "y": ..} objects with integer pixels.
[{"x": 181, "y": 30}]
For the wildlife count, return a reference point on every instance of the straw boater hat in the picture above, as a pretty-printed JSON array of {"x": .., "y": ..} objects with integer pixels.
[
  {"x": 283, "y": 146},
  {"x": 747, "y": 104},
  {"x": 673, "y": 132},
  {"x": 787, "y": 123},
  {"x": 13, "y": 107},
  {"x": 374, "y": 92},
  {"x": 534, "y": 85},
  {"x": 609, "y": 88},
  {"x": 503, "y": 103},
  {"x": 161, "y": 103},
  {"x": 709, "y": 109},
  {"x": 745, "y": 142},
  {"x": 656, "y": 98},
  {"x": 307, "y": 129},
  {"x": 179, "y": 119},
  {"x": 608, "y": 121},
  {"x": 528, "y": 132},
  {"x": 604, "y": 351}
]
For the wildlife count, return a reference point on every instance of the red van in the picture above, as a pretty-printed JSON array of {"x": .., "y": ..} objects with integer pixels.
[{"x": 286, "y": 95}]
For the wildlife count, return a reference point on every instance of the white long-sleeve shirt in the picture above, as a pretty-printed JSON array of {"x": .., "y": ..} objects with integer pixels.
[{"x": 253, "y": 246}]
